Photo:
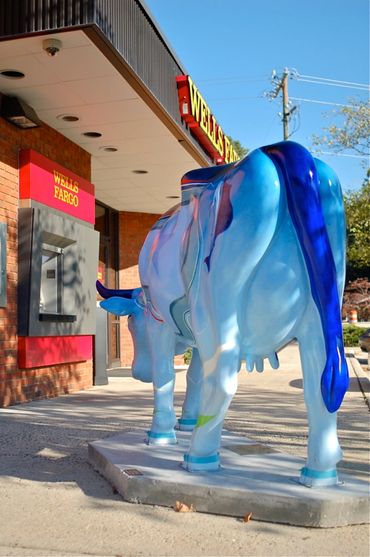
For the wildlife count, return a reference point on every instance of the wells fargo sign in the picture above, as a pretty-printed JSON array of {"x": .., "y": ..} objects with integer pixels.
[
  {"x": 202, "y": 123},
  {"x": 53, "y": 185},
  {"x": 66, "y": 189}
]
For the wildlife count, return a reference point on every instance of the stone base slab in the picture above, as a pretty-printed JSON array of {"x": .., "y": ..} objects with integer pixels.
[{"x": 253, "y": 478}]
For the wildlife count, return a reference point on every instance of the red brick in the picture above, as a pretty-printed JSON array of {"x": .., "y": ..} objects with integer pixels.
[{"x": 24, "y": 385}]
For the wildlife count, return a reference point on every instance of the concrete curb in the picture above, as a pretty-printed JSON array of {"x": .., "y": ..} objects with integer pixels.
[{"x": 362, "y": 376}]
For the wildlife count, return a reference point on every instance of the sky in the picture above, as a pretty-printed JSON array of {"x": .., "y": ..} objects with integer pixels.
[{"x": 231, "y": 47}]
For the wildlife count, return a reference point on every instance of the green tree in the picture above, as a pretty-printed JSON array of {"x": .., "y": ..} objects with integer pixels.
[
  {"x": 352, "y": 134},
  {"x": 242, "y": 151},
  {"x": 357, "y": 204}
]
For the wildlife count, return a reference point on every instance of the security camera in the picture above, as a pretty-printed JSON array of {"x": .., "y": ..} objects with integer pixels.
[{"x": 52, "y": 46}]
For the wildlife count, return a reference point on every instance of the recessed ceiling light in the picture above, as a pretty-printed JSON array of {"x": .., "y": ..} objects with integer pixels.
[
  {"x": 12, "y": 74},
  {"x": 140, "y": 172},
  {"x": 109, "y": 149},
  {"x": 68, "y": 117},
  {"x": 92, "y": 134},
  {"x": 173, "y": 197}
]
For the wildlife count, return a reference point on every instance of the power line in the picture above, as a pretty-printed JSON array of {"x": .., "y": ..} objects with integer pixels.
[
  {"x": 234, "y": 99},
  {"x": 328, "y": 79},
  {"x": 233, "y": 79},
  {"x": 316, "y": 101},
  {"x": 341, "y": 154},
  {"x": 299, "y": 99},
  {"x": 293, "y": 73},
  {"x": 360, "y": 88},
  {"x": 281, "y": 84}
]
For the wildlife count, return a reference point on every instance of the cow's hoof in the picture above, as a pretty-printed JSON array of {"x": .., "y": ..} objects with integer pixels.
[
  {"x": 154, "y": 438},
  {"x": 318, "y": 478},
  {"x": 201, "y": 463},
  {"x": 186, "y": 424}
]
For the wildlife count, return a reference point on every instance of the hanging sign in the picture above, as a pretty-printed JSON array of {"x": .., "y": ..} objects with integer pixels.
[{"x": 202, "y": 123}]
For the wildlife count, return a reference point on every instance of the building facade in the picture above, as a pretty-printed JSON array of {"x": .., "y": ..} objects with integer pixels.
[{"x": 98, "y": 122}]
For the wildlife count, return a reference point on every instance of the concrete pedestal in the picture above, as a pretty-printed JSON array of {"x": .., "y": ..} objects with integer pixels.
[{"x": 253, "y": 479}]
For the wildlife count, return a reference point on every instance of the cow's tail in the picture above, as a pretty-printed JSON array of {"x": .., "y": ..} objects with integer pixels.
[{"x": 297, "y": 171}]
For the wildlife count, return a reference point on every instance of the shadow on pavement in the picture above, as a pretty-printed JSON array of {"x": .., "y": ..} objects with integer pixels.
[
  {"x": 46, "y": 441},
  {"x": 353, "y": 385}
]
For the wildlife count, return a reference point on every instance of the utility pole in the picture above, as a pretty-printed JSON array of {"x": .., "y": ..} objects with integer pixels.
[
  {"x": 286, "y": 112},
  {"x": 281, "y": 84}
]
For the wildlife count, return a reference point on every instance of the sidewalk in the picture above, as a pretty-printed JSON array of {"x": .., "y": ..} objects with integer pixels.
[{"x": 53, "y": 503}]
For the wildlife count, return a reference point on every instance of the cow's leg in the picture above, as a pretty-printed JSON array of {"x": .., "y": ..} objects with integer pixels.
[
  {"x": 162, "y": 348},
  {"x": 219, "y": 386},
  {"x": 190, "y": 408},
  {"x": 323, "y": 451}
]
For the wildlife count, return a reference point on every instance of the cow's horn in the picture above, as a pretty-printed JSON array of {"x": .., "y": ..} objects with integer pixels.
[{"x": 109, "y": 293}]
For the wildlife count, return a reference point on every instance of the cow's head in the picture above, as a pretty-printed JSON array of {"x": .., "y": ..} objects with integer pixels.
[{"x": 131, "y": 303}]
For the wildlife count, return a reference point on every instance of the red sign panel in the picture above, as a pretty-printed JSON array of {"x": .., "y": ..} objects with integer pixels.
[
  {"x": 53, "y": 185},
  {"x": 48, "y": 351}
]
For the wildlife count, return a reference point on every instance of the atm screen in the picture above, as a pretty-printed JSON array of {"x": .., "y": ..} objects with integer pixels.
[{"x": 51, "y": 279}]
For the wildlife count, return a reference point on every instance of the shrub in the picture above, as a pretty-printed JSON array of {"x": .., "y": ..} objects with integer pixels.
[
  {"x": 351, "y": 334},
  {"x": 357, "y": 296},
  {"x": 187, "y": 356}
]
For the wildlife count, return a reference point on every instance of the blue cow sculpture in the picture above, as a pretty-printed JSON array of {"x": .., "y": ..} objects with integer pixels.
[{"x": 253, "y": 257}]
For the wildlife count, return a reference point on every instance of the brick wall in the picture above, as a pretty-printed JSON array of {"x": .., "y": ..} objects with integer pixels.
[
  {"x": 21, "y": 385},
  {"x": 133, "y": 229}
]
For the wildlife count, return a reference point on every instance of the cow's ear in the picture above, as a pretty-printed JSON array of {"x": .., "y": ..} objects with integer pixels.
[{"x": 120, "y": 306}]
